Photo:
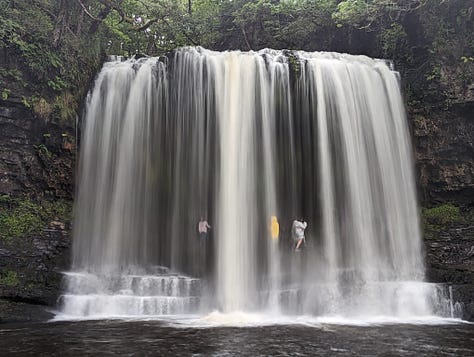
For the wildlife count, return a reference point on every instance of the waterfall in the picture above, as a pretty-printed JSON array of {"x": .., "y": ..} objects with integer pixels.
[{"x": 236, "y": 138}]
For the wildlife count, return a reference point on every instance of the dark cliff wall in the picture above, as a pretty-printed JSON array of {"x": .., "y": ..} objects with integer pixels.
[
  {"x": 37, "y": 158},
  {"x": 443, "y": 137},
  {"x": 440, "y": 105},
  {"x": 48, "y": 58},
  {"x": 444, "y": 154},
  {"x": 37, "y": 163}
]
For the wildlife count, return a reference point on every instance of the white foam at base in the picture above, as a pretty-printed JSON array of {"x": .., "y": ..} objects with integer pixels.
[
  {"x": 243, "y": 319},
  {"x": 216, "y": 319}
]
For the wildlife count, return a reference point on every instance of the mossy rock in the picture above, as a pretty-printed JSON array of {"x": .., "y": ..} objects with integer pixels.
[
  {"x": 20, "y": 217},
  {"x": 9, "y": 278},
  {"x": 439, "y": 218},
  {"x": 444, "y": 214}
]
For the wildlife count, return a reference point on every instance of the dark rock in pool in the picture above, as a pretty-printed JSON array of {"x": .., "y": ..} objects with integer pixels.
[{"x": 16, "y": 311}]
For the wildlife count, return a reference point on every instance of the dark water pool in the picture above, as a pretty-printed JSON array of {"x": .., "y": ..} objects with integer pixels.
[{"x": 140, "y": 338}]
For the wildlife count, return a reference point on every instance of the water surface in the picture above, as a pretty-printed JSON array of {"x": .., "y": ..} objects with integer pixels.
[{"x": 138, "y": 338}]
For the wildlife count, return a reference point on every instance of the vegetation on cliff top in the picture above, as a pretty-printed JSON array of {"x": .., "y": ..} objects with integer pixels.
[{"x": 52, "y": 48}]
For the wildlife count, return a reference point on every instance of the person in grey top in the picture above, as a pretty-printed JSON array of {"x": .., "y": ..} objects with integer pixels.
[{"x": 298, "y": 232}]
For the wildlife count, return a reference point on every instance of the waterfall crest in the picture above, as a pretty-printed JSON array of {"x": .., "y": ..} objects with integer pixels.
[{"x": 238, "y": 137}]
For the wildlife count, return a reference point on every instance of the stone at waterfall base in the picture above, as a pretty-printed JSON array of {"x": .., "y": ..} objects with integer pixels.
[{"x": 13, "y": 311}]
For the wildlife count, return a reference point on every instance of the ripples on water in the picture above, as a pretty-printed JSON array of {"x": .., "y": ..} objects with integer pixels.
[{"x": 158, "y": 338}]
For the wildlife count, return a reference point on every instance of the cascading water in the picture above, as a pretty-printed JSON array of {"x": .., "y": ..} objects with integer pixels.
[{"x": 237, "y": 138}]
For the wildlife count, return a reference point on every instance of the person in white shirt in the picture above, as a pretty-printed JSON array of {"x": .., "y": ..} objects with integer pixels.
[{"x": 298, "y": 232}]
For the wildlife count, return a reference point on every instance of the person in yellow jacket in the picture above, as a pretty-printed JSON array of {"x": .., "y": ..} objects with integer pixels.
[{"x": 274, "y": 228}]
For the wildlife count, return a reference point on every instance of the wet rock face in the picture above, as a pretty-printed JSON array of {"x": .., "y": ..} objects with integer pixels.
[
  {"x": 444, "y": 154},
  {"x": 31, "y": 266},
  {"x": 465, "y": 295},
  {"x": 36, "y": 158},
  {"x": 450, "y": 260}
]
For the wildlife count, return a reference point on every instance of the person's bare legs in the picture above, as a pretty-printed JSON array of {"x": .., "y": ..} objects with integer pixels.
[{"x": 299, "y": 244}]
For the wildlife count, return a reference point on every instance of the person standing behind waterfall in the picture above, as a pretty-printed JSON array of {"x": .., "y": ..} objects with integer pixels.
[
  {"x": 203, "y": 226},
  {"x": 298, "y": 232},
  {"x": 274, "y": 228}
]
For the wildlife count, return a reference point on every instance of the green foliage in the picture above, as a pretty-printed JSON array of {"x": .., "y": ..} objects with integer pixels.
[
  {"x": 466, "y": 59},
  {"x": 353, "y": 12},
  {"x": 434, "y": 74},
  {"x": 204, "y": 21},
  {"x": 393, "y": 39},
  {"x": 57, "y": 84},
  {"x": 54, "y": 47},
  {"x": 152, "y": 27},
  {"x": 58, "y": 210},
  {"x": 257, "y": 21},
  {"x": 64, "y": 106},
  {"x": 25, "y": 32},
  {"x": 442, "y": 215},
  {"x": 374, "y": 14},
  {"x": 439, "y": 218},
  {"x": 10, "y": 278},
  {"x": 42, "y": 150},
  {"x": 307, "y": 24},
  {"x": 46, "y": 50},
  {"x": 5, "y": 93},
  {"x": 281, "y": 24},
  {"x": 10, "y": 74},
  {"x": 20, "y": 217},
  {"x": 26, "y": 102}
]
